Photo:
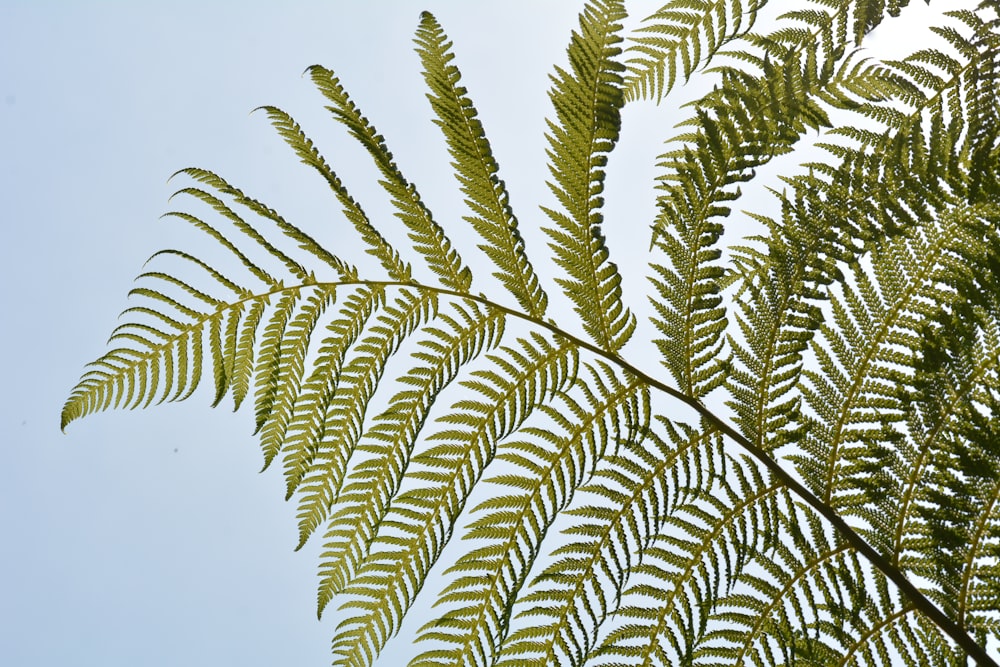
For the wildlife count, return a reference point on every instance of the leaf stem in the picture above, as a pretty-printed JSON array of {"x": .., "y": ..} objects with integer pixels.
[{"x": 911, "y": 592}]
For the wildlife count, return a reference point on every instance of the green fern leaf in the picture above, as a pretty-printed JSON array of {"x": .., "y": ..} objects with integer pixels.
[
  {"x": 345, "y": 414},
  {"x": 427, "y": 236},
  {"x": 307, "y": 152},
  {"x": 610, "y": 523},
  {"x": 309, "y": 415},
  {"x": 587, "y": 100},
  {"x": 476, "y": 169},
  {"x": 389, "y": 441},
  {"x": 292, "y": 347},
  {"x": 684, "y": 33}
]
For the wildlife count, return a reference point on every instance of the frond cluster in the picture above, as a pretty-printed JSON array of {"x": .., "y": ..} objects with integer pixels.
[{"x": 840, "y": 507}]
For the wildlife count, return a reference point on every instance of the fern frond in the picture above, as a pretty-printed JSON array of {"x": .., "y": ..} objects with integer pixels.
[
  {"x": 159, "y": 354},
  {"x": 381, "y": 249},
  {"x": 393, "y": 573},
  {"x": 683, "y": 34},
  {"x": 240, "y": 348},
  {"x": 305, "y": 429},
  {"x": 546, "y": 468},
  {"x": 872, "y": 338},
  {"x": 285, "y": 382},
  {"x": 587, "y": 101},
  {"x": 555, "y": 463},
  {"x": 269, "y": 360},
  {"x": 476, "y": 169},
  {"x": 950, "y": 416},
  {"x": 750, "y": 119},
  {"x": 623, "y": 508},
  {"x": 323, "y": 469},
  {"x": 742, "y": 126},
  {"x": 216, "y": 235},
  {"x": 778, "y": 320},
  {"x": 702, "y": 544},
  {"x": 774, "y": 606},
  {"x": 303, "y": 240},
  {"x": 389, "y": 440},
  {"x": 667, "y": 548},
  {"x": 873, "y": 628},
  {"x": 444, "y": 474},
  {"x": 935, "y": 122},
  {"x": 427, "y": 236},
  {"x": 294, "y": 267}
]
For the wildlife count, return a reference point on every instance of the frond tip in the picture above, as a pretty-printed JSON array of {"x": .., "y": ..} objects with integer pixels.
[
  {"x": 587, "y": 99},
  {"x": 476, "y": 169}
]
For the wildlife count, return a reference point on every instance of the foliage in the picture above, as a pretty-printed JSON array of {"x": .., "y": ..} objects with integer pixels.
[{"x": 844, "y": 508}]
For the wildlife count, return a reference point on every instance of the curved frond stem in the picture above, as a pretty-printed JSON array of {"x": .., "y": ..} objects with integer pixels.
[
  {"x": 980, "y": 534},
  {"x": 697, "y": 548},
  {"x": 857, "y": 542},
  {"x": 779, "y": 598},
  {"x": 874, "y": 630}
]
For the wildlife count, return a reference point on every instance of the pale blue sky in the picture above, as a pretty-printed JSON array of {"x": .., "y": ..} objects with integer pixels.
[{"x": 148, "y": 538}]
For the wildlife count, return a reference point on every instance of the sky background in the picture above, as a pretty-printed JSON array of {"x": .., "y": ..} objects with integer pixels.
[{"x": 148, "y": 538}]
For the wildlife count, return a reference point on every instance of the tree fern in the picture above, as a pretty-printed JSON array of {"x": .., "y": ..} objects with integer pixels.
[{"x": 838, "y": 503}]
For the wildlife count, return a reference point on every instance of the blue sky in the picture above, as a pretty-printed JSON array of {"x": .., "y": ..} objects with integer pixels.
[{"x": 148, "y": 538}]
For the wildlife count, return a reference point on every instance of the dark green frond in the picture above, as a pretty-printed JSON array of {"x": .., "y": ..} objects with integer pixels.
[
  {"x": 778, "y": 320},
  {"x": 701, "y": 545},
  {"x": 736, "y": 129}
]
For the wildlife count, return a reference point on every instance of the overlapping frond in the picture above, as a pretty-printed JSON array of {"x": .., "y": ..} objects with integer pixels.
[
  {"x": 421, "y": 518},
  {"x": 319, "y": 477},
  {"x": 737, "y": 128},
  {"x": 780, "y": 610},
  {"x": 700, "y": 543},
  {"x": 777, "y": 321},
  {"x": 303, "y": 146},
  {"x": 545, "y": 468},
  {"x": 615, "y": 412},
  {"x": 390, "y": 438}
]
